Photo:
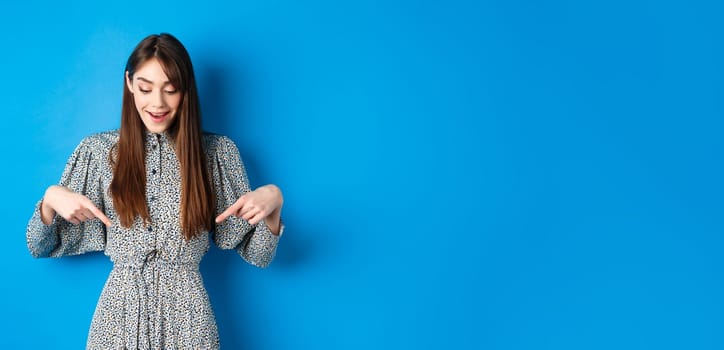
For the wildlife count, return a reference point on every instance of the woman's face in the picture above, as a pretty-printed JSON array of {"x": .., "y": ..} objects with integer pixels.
[{"x": 155, "y": 98}]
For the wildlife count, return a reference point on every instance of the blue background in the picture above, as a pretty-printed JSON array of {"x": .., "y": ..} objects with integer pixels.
[{"x": 458, "y": 174}]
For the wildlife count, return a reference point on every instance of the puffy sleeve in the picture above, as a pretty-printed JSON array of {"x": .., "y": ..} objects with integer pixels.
[
  {"x": 61, "y": 237},
  {"x": 255, "y": 243}
]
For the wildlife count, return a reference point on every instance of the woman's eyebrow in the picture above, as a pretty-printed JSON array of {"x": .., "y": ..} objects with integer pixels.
[
  {"x": 150, "y": 82},
  {"x": 144, "y": 79}
]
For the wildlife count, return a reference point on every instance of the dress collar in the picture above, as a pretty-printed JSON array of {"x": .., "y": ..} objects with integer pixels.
[{"x": 159, "y": 137}]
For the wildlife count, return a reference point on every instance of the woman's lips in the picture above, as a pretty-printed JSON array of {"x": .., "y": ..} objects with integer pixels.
[{"x": 158, "y": 117}]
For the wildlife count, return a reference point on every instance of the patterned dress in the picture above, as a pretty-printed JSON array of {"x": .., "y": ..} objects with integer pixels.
[{"x": 154, "y": 297}]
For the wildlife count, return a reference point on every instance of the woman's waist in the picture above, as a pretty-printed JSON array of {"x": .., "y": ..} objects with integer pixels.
[{"x": 155, "y": 258}]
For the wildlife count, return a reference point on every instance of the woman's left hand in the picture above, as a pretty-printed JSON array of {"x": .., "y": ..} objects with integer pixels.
[{"x": 255, "y": 205}]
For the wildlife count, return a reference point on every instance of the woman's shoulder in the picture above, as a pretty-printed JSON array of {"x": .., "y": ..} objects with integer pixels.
[
  {"x": 102, "y": 141},
  {"x": 217, "y": 143}
]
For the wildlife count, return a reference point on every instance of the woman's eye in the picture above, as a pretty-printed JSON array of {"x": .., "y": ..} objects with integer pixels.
[
  {"x": 144, "y": 91},
  {"x": 171, "y": 92}
]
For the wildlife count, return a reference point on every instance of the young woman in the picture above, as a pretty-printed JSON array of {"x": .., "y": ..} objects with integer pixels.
[{"x": 148, "y": 195}]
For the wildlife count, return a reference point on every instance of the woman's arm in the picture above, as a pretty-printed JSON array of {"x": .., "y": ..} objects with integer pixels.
[
  {"x": 264, "y": 203},
  {"x": 73, "y": 207},
  {"x": 62, "y": 223}
]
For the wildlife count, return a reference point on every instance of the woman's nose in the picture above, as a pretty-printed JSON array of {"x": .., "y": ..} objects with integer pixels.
[{"x": 158, "y": 100}]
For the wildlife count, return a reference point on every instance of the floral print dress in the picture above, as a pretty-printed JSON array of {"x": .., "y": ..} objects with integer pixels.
[{"x": 154, "y": 297}]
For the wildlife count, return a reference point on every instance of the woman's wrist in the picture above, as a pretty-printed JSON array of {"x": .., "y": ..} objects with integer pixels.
[
  {"x": 46, "y": 209},
  {"x": 273, "y": 220}
]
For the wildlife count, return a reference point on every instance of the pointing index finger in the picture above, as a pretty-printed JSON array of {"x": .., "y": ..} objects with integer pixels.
[
  {"x": 99, "y": 214},
  {"x": 231, "y": 209}
]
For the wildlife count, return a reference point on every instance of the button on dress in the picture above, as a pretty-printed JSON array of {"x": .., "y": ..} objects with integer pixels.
[{"x": 154, "y": 297}]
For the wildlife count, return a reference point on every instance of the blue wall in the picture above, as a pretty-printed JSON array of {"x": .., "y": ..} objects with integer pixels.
[{"x": 473, "y": 175}]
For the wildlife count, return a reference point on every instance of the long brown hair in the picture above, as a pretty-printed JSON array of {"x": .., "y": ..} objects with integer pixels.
[{"x": 128, "y": 188}]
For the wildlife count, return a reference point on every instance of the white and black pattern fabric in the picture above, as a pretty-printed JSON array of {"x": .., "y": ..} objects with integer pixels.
[{"x": 154, "y": 297}]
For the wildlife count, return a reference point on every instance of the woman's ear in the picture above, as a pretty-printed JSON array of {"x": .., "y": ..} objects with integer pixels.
[{"x": 128, "y": 83}]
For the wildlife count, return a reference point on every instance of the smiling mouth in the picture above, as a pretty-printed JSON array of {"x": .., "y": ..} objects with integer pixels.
[{"x": 158, "y": 117}]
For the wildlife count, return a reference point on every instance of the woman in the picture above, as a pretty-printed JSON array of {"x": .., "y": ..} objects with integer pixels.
[{"x": 147, "y": 195}]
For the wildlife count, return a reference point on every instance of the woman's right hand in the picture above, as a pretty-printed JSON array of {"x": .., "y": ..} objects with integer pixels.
[{"x": 73, "y": 207}]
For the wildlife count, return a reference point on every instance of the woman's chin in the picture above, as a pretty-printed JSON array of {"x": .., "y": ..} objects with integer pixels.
[{"x": 156, "y": 127}]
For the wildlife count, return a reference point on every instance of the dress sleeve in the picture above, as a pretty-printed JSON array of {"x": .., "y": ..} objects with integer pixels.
[
  {"x": 61, "y": 237},
  {"x": 255, "y": 243}
]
